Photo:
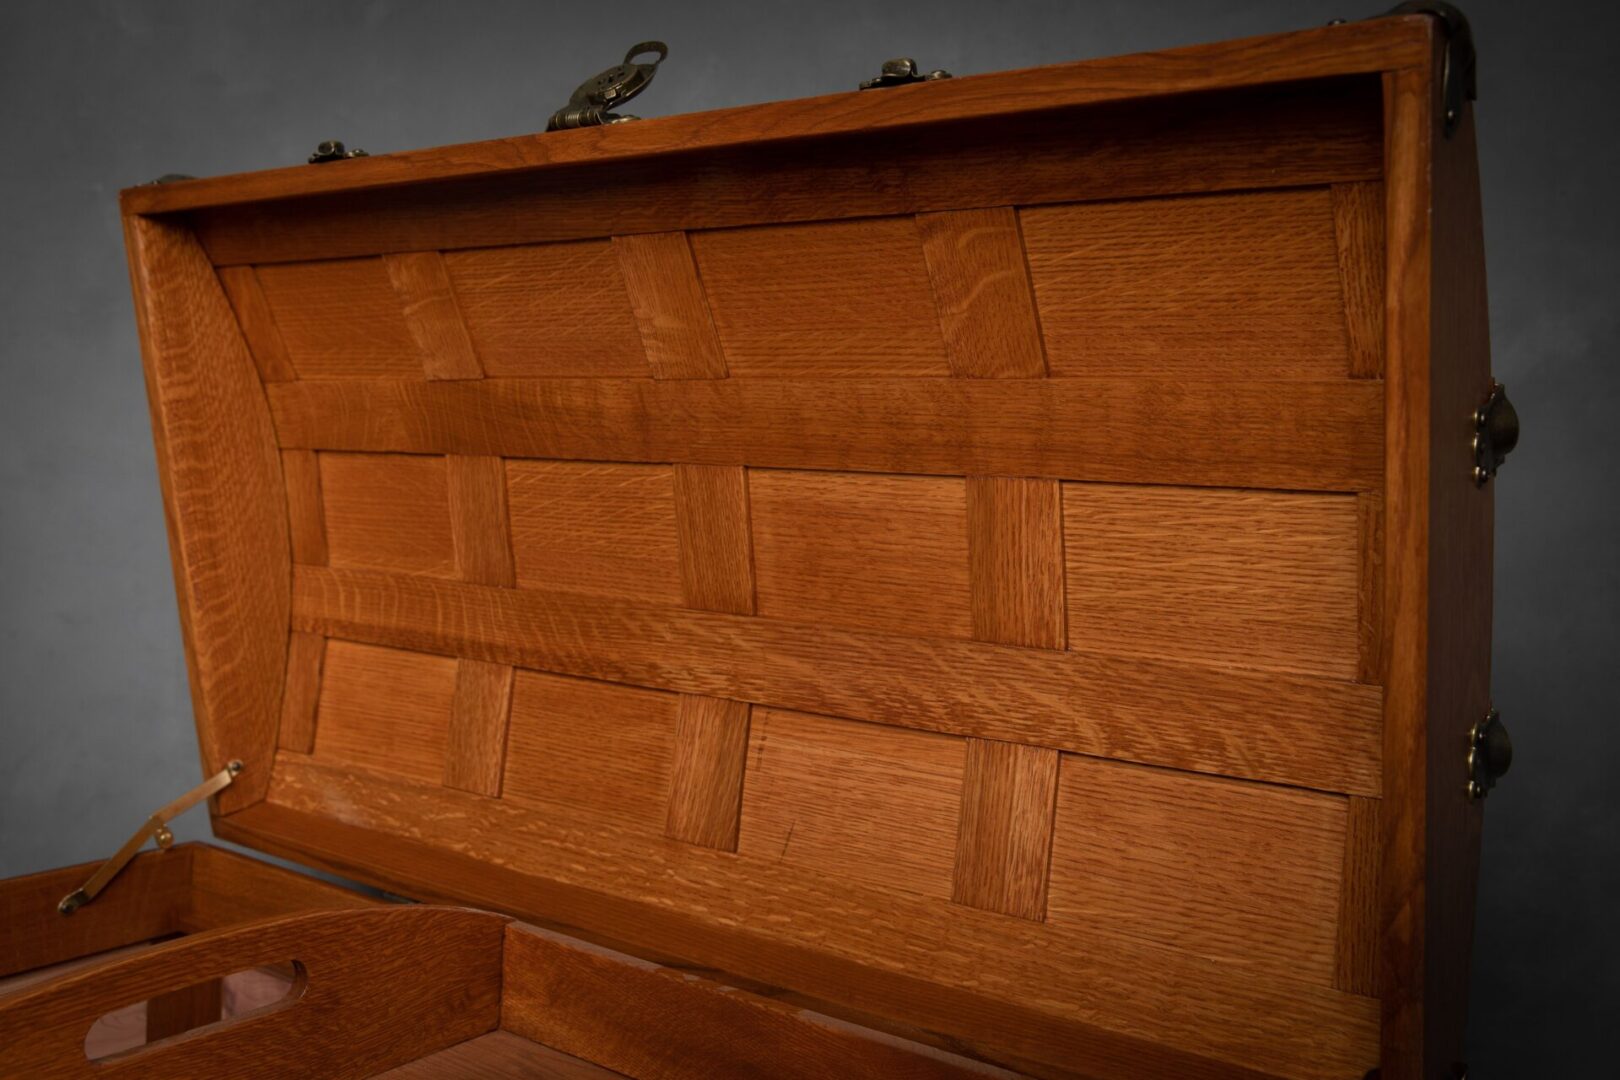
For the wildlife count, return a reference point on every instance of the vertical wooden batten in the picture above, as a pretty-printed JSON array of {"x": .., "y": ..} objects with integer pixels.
[
  {"x": 222, "y": 489},
  {"x": 706, "y": 773},
  {"x": 981, "y": 287},
  {"x": 306, "y": 656},
  {"x": 258, "y": 323},
  {"x": 672, "y": 313},
  {"x": 432, "y": 316},
  {"x": 1004, "y": 837},
  {"x": 1358, "y": 230}
]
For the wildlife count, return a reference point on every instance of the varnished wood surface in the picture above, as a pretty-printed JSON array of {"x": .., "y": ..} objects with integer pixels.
[
  {"x": 1354, "y": 47},
  {"x": 228, "y": 534},
  {"x": 440, "y": 970},
  {"x": 499, "y": 1055},
  {"x": 1261, "y": 726},
  {"x": 1319, "y": 435}
]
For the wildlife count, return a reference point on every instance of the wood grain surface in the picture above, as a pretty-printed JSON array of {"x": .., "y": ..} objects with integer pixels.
[
  {"x": 671, "y": 308},
  {"x": 385, "y": 710},
  {"x": 1004, "y": 841},
  {"x": 388, "y": 512},
  {"x": 432, "y": 317},
  {"x": 987, "y": 316},
  {"x": 706, "y": 771}
]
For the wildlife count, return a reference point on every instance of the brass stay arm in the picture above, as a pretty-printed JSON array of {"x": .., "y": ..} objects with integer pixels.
[{"x": 156, "y": 826}]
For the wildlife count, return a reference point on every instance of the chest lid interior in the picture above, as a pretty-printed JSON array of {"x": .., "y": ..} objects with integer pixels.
[{"x": 917, "y": 548}]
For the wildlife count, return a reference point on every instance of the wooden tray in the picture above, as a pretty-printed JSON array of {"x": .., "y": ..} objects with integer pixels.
[{"x": 995, "y": 560}]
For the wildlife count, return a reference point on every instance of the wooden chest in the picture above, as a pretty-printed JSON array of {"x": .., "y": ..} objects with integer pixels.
[{"x": 979, "y": 575}]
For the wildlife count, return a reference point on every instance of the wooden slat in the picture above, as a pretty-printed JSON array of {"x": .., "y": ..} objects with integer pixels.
[
  {"x": 341, "y": 318},
  {"x": 431, "y": 315},
  {"x": 475, "y": 748},
  {"x": 1309, "y": 134},
  {"x": 306, "y": 515},
  {"x": 852, "y": 802},
  {"x": 1244, "y": 285},
  {"x": 1306, "y": 436},
  {"x": 1358, "y": 226},
  {"x": 1356, "y": 960},
  {"x": 386, "y": 710},
  {"x": 981, "y": 284},
  {"x": 547, "y": 310},
  {"x": 306, "y": 654},
  {"x": 258, "y": 325},
  {"x": 867, "y": 552},
  {"x": 1354, "y": 47},
  {"x": 668, "y": 896},
  {"x": 1261, "y": 726},
  {"x": 479, "y": 525},
  {"x": 706, "y": 771},
  {"x": 595, "y": 529},
  {"x": 717, "y": 549},
  {"x": 441, "y": 969},
  {"x": 1004, "y": 842},
  {"x": 1262, "y": 580},
  {"x": 593, "y": 749},
  {"x": 1233, "y": 872},
  {"x": 388, "y": 512},
  {"x": 848, "y": 298},
  {"x": 671, "y": 310},
  {"x": 644, "y": 1020},
  {"x": 223, "y": 500},
  {"x": 1015, "y": 550}
]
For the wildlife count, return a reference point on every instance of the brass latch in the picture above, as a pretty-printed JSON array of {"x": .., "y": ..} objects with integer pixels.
[
  {"x": 156, "y": 827},
  {"x": 589, "y": 105},
  {"x": 1490, "y": 754},
  {"x": 1496, "y": 433}
]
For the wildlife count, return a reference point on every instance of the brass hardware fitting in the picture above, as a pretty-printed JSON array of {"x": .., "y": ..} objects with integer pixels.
[
  {"x": 902, "y": 71},
  {"x": 334, "y": 150},
  {"x": 155, "y": 827},
  {"x": 591, "y": 100},
  {"x": 1490, "y": 754},
  {"x": 1496, "y": 433}
]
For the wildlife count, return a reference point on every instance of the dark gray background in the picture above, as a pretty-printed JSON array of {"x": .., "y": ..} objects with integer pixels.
[{"x": 95, "y": 726}]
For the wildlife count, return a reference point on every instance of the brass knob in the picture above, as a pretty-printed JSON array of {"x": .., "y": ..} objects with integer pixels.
[
  {"x": 1496, "y": 433},
  {"x": 1490, "y": 754}
]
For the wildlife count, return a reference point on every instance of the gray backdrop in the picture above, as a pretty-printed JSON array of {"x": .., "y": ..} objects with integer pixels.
[{"x": 94, "y": 719}]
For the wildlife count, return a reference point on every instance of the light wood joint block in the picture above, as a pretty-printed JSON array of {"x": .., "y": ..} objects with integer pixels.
[
  {"x": 671, "y": 310},
  {"x": 432, "y": 315},
  {"x": 1004, "y": 840},
  {"x": 706, "y": 777},
  {"x": 981, "y": 286}
]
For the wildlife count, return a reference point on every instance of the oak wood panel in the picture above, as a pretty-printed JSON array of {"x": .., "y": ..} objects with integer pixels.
[
  {"x": 1356, "y": 961},
  {"x": 708, "y": 756},
  {"x": 479, "y": 522},
  {"x": 1245, "y": 285},
  {"x": 1262, "y": 726},
  {"x": 595, "y": 529},
  {"x": 871, "y": 552},
  {"x": 716, "y": 543},
  {"x": 499, "y": 1055},
  {"x": 670, "y": 307},
  {"x": 441, "y": 990},
  {"x": 1303, "y": 436},
  {"x": 258, "y": 325},
  {"x": 385, "y": 709},
  {"x": 431, "y": 315},
  {"x": 1358, "y": 228},
  {"x": 1015, "y": 552},
  {"x": 592, "y": 749},
  {"x": 228, "y": 889},
  {"x": 981, "y": 284},
  {"x": 475, "y": 746},
  {"x": 388, "y": 512},
  {"x": 1238, "y": 873},
  {"x": 1004, "y": 842},
  {"x": 1262, "y": 580},
  {"x": 1305, "y": 134},
  {"x": 340, "y": 317},
  {"x": 852, "y": 802},
  {"x": 645, "y": 1020},
  {"x": 306, "y": 655},
  {"x": 1353, "y": 47},
  {"x": 223, "y": 501},
  {"x": 856, "y": 302},
  {"x": 140, "y": 904},
  {"x": 306, "y": 514},
  {"x": 547, "y": 310},
  {"x": 677, "y": 893}
]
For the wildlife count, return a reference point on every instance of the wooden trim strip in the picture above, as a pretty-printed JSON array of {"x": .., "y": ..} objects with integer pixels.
[
  {"x": 306, "y": 511},
  {"x": 1293, "y": 730},
  {"x": 1016, "y": 561},
  {"x": 1356, "y": 959},
  {"x": 1358, "y": 229},
  {"x": 717, "y": 545},
  {"x": 223, "y": 497},
  {"x": 306, "y": 655},
  {"x": 1289, "y": 435},
  {"x": 480, "y": 712},
  {"x": 1357, "y": 47},
  {"x": 479, "y": 522},
  {"x": 1093, "y": 984}
]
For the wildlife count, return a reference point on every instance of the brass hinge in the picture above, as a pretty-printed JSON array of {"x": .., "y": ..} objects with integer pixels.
[
  {"x": 902, "y": 71},
  {"x": 589, "y": 105},
  {"x": 156, "y": 827}
]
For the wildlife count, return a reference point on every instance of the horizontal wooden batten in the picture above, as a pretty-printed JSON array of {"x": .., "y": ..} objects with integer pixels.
[
  {"x": 1102, "y": 984},
  {"x": 1293, "y": 730},
  {"x": 1307, "y": 133},
  {"x": 1322, "y": 435}
]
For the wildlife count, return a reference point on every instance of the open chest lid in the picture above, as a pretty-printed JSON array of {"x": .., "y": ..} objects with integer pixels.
[{"x": 916, "y": 548}]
